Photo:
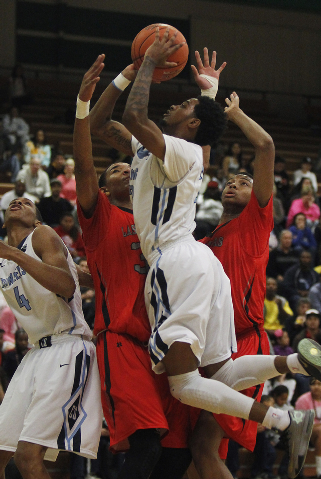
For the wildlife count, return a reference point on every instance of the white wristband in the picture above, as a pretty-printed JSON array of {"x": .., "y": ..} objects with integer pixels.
[
  {"x": 212, "y": 91},
  {"x": 82, "y": 110},
  {"x": 121, "y": 82}
]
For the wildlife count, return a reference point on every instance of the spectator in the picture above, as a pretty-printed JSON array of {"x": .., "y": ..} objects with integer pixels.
[
  {"x": 35, "y": 179},
  {"x": 282, "y": 346},
  {"x": 9, "y": 325},
  {"x": 299, "y": 279},
  {"x": 68, "y": 182},
  {"x": 40, "y": 148},
  {"x": 311, "y": 330},
  {"x": 305, "y": 171},
  {"x": 282, "y": 181},
  {"x": 315, "y": 295},
  {"x": 18, "y": 87},
  {"x": 87, "y": 297},
  {"x": 232, "y": 160},
  {"x": 283, "y": 257},
  {"x": 302, "y": 236},
  {"x": 306, "y": 204},
  {"x": 18, "y": 191},
  {"x": 53, "y": 207},
  {"x": 14, "y": 356},
  {"x": 297, "y": 189},
  {"x": 69, "y": 233},
  {"x": 57, "y": 164},
  {"x": 209, "y": 212},
  {"x": 312, "y": 400},
  {"x": 276, "y": 308},
  {"x": 16, "y": 129},
  {"x": 9, "y": 161},
  {"x": 295, "y": 324}
]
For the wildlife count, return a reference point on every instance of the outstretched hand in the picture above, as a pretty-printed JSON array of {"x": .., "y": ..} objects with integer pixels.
[
  {"x": 233, "y": 105},
  {"x": 206, "y": 68},
  {"x": 129, "y": 72},
  {"x": 163, "y": 48},
  {"x": 91, "y": 78}
]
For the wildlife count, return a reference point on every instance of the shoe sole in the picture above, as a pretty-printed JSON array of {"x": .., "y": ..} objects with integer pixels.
[
  {"x": 305, "y": 439},
  {"x": 310, "y": 357}
]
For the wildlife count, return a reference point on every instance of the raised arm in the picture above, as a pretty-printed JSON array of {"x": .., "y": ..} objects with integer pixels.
[
  {"x": 52, "y": 272},
  {"x": 112, "y": 132},
  {"x": 135, "y": 116},
  {"x": 263, "y": 179}
]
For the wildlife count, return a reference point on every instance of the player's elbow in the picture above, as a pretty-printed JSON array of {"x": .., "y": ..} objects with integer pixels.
[
  {"x": 130, "y": 118},
  {"x": 266, "y": 144}
]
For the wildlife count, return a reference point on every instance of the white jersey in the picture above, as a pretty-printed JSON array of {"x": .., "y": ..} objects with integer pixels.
[
  {"x": 39, "y": 311},
  {"x": 164, "y": 193}
]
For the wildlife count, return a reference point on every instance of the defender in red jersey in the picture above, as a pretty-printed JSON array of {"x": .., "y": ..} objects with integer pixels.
[
  {"x": 241, "y": 243},
  {"x": 133, "y": 398}
]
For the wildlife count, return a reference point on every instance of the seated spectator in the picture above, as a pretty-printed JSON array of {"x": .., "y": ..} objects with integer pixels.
[
  {"x": 15, "y": 356},
  {"x": 18, "y": 191},
  {"x": 209, "y": 212},
  {"x": 282, "y": 343},
  {"x": 302, "y": 236},
  {"x": 276, "y": 308},
  {"x": 299, "y": 279},
  {"x": 35, "y": 179},
  {"x": 18, "y": 93},
  {"x": 307, "y": 205},
  {"x": 16, "y": 129},
  {"x": 9, "y": 325},
  {"x": 68, "y": 182},
  {"x": 9, "y": 159},
  {"x": 305, "y": 171},
  {"x": 232, "y": 160},
  {"x": 39, "y": 148},
  {"x": 53, "y": 207},
  {"x": 70, "y": 234},
  {"x": 283, "y": 257},
  {"x": 282, "y": 181},
  {"x": 311, "y": 329},
  {"x": 312, "y": 400},
  {"x": 295, "y": 324},
  {"x": 315, "y": 295},
  {"x": 87, "y": 296},
  {"x": 297, "y": 189},
  {"x": 57, "y": 164}
]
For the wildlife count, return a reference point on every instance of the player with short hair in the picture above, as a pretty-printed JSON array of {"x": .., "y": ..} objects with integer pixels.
[
  {"x": 133, "y": 397},
  {"x": 187, "y": 292},
  {"x": 52, "y": 402}
]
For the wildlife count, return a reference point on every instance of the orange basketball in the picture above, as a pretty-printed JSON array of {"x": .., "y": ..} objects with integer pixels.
[{"x": 146, "y": 37}]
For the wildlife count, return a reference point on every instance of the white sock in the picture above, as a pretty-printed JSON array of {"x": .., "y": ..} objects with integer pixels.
[
  {"x": 294, "y": 365},
  {"x": 246, "y": 371},
  {"x": 277, "y": 418},
  {"x": 194, "y": 390},
  {"x": 318, "y": 465}
]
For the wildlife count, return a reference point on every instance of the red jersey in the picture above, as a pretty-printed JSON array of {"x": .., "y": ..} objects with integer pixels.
[
  {"x": 118, "y": 269},
  {"x": 242, "y": 246}
]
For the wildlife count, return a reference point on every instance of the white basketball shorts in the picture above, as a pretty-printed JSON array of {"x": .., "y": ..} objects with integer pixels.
[
  {"x": 54, "y": 400},
  {"x": 188, "y": 299}
]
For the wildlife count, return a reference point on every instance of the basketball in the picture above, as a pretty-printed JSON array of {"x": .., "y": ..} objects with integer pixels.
[{"x": 146, "y": 37}]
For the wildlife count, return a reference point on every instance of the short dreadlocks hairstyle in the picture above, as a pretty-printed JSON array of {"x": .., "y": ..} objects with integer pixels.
[{"x": 213, "y": 121}]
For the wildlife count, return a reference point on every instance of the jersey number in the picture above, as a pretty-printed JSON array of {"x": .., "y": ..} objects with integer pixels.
[
  {"x": 139, "y": 268},
  {"x": 21, "y": 299}
]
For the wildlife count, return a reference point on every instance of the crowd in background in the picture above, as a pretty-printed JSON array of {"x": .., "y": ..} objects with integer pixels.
[{"x": 292, "y": 307}]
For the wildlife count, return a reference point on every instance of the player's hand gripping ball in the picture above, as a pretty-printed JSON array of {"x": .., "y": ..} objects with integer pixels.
[{"x": 146, "y": 37}]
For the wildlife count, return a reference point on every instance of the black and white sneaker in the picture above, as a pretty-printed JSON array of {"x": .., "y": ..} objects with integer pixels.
[
  {"x": 297, "y": 435},
  {"x": 309, "y": 355}
]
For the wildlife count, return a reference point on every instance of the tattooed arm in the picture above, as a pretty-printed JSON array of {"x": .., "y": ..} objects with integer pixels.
[
  {"x": 135, "y": 116},
  {"x": 111, "y": 132}
]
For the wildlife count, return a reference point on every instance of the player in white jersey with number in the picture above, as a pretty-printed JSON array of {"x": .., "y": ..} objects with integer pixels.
[
  {"x": 53, "y": 400},
  {"x": 188, "y": 295}
]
